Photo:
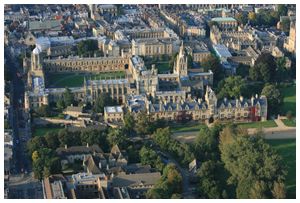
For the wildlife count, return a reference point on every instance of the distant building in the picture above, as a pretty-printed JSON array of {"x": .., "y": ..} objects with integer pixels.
[
  {"x": 47, "y": 25},
  {"x": 54, "y": 187},
  {"x": 113, "y": 114},
  {"x": 226, "y": 23},
  {"x": 290, "y": 43}
]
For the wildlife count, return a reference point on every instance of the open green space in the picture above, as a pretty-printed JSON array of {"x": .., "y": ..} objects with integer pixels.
[
  {"x": 162, "y": 67},
  {"x": 287, "y": 149},
  {"x": 180, "y": 127},
  {"x": 41, "y": 131},
  {"x": 77, "y": 79},
  {"x": 161, "y": 63},
  {"x": 263, "y": 124},
  {"x": 289, "y": 123},
  {"x": 289, "y": 99}
]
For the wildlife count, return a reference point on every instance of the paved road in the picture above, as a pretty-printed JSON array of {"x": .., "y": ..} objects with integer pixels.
[
  {"x": 25, "y": 187},
  {"x": 21, "y": 186},
  {"x": 270, "y": 133}
]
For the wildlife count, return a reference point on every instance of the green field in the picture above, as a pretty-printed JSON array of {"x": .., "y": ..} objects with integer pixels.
[
  {"x": 178, "y": 127},
  {"x": 289, "y": 123},
  {"x": 287, "y": 149},
  {"x": 41, "y": 131},
  {"x": 77, "y": 79},
  {"x": 289, "y": 99},
  {"x": 162, "y": 67},
  {"x": 264, "y": 124}
]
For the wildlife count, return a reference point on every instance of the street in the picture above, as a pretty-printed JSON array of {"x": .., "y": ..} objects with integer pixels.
[{"x": 21, "y": 184}]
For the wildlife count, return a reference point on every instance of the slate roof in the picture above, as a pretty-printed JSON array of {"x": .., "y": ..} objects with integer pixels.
[
  {"x": 132, "y": 180},
  {"x": 62, "y": 151}
]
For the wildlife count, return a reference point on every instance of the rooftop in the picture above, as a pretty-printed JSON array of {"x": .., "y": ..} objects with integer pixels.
[
  {"x": 225, "y": 19},
  {"x": 113, "y": 109}
]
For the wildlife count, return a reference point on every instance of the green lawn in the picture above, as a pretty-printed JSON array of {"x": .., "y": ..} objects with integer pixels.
[
  {"x": 289, "y": 123},
  {"x": 289, "y": 99},
  {"x": 287, "y": 149},
  {"x": 264, "y": 124},
  {"x": 162, "y": 67},
  {"x": 76, "y": 79},
  {"x": 178, "y": 127},
  {"x": 41, "y": 131}
]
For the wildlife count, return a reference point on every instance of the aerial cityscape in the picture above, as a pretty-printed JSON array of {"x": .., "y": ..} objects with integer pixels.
[{"x": 150, "y": 101}]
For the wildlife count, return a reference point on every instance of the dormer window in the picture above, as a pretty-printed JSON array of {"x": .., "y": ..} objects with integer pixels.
[{"x": 187, "y": 107}]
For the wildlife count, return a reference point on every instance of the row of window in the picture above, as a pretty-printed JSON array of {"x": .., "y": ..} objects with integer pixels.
[{"x": 82, "y": 63}]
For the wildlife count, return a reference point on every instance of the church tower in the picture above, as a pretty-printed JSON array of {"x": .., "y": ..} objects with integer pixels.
[
  {"x": 35, "y": 59},
  {"x": 181, "y": 63},
  {"x": 211, "y": 100}
]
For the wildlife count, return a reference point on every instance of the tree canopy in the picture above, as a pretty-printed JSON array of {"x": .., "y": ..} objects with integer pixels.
[
  {"x": 255, "y": 168},
  {"x": 274, "y": 98},
  {"x": 231, "y": 87}
]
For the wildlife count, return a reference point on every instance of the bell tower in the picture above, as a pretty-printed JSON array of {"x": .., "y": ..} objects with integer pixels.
[
  {"x": 181, "y": 64},
  {"x": 35, "y": 59}
]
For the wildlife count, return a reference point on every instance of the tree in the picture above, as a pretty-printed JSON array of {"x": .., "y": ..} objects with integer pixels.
[
  {"x": 68, "y": 138},
  {"x": 274, "y": 98},
  {"x": 252, "y": 18},
  {"x": 278, "y": 191},
  {"x": 87, "y": 47},
  {"x": 103, "y": 100},
  {"x": 250, "y": 160},
  {"x": 170, "y": 184},
  {"x": 241, "y": 17},
  {"x": 129, "y": 123},
  {"x": 60, "y": 104},
  {"x": 282, "y": 73},
  {"x": 52, "y": 141},
  {"x": 242, "y": 70},
  {"x": 231, "y": 87},
  {"x": 264, "y": 68},
  {"x": 116, "y": 137},
  {"x": 35, "y": 143},
  {"x": 68, "y": 97},
  {"x": 260, "y": 72},
  {"x": 143, "y": 124},
  {"x": 285, "y": 25},
  {"x": 282, "y": 10},
  {"x": 212, "y": 63},
  {"x": 149, "y": 156},
  {"x": 43, "y": 111},
  {"x": 212, "y": 180}
]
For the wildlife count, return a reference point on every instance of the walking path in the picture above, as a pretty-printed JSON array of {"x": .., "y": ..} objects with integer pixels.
[{"x": 279, "y": 132}]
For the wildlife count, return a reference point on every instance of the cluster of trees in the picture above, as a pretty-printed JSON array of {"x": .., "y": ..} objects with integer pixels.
[
  {"x": 88, "y": 48},
  {"x": 44, "y": 163},
  {"x": 213, "y": 63},
  {"x": 263, "y": 17},
  {"x": 42, "y": 148},
  {"x": 271, "y": 72},
  {"x": 103, "y": 100},
  {"x": 67, "y": 99},
  {"x": 142, "y": 124},
  {"x": 255, "y": 169},
  {"x": 211, "y": 175},
  {"x": 149, "y": 156},
  {"x": 262, "y": 78},
  {"x": 236, "y": 165},
  {"x": 169, "y": 185},
  {"x": 231, "y": 87},
  {"x": 181, "y": 152}
]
